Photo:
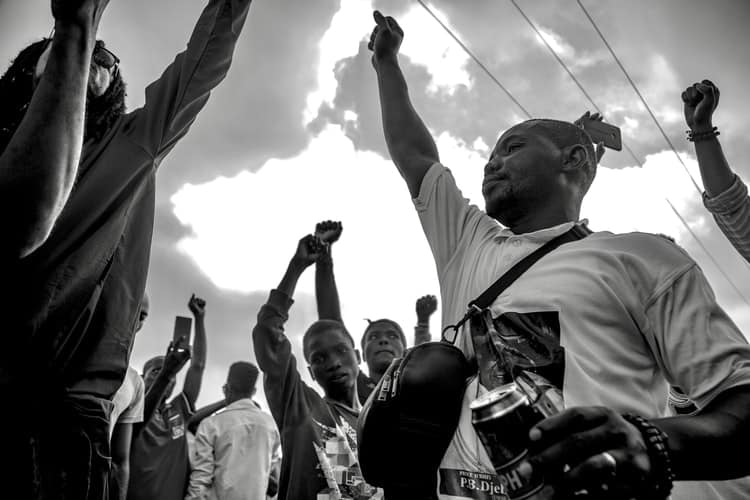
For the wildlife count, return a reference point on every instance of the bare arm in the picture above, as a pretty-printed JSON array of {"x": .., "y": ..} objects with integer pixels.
[
  {"x": 194, "y": 375},
  {"x": 326, "y": 291},
  {"x": 700, "y": 101},
  {"x": 120, "y": 444},
  {"x": 204, "y": 412},
  {"x": 410, "y": 144},
  {"x": 177, "y": 356},
  {"x": 39, "y": 165}
]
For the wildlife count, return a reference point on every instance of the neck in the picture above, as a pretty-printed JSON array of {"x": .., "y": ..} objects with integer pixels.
[
  {"x": 344, "y": 397},
  {"x": 534, "y": 220},
  {"x": 376, "y": 374}
]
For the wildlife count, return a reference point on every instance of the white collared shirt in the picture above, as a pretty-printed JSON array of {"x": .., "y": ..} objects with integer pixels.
[{"x": 235, "y": 451}]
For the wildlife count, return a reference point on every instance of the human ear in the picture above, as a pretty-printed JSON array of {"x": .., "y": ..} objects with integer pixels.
[{"x": 575, "y": 158}]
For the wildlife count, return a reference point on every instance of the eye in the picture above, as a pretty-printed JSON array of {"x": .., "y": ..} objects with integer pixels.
[{"x": 513, "y": 147}]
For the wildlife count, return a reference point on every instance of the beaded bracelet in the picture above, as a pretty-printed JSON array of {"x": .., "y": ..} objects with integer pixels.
[
  {"x": 702, "y": 136},
  {"x": 658, "y": 453}
]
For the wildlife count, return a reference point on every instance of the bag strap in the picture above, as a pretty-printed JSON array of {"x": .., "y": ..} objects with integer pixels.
[{"x": 577, "y": 232}]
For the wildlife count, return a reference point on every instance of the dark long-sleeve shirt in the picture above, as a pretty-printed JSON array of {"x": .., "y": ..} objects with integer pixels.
[{"x": 318, "y": 436}]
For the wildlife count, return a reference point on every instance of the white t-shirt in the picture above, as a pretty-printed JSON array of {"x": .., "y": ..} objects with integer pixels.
[
  {"x": 635, "y": 313},
  {"x": 128, "y": 401}
]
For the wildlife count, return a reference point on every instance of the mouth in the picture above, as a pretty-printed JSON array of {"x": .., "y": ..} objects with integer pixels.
[
  {"x": 338, "y": 378},
  {"x": 385, "y": 351}
]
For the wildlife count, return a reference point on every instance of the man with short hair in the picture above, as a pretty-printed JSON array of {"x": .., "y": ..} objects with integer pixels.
[
  {"x": 77, "y": 187},
  {"x": 610, "y": 320},
  {"x": 236, "y": 449},
  {"x": 318, "y": 434},
  {"x": 159, "y": 459}
]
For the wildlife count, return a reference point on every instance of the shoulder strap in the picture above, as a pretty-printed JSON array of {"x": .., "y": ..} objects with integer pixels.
[{"x": 577, "y": 232}]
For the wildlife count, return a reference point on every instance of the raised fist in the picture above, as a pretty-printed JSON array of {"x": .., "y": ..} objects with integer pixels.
[
  {"x": 328, "y": 231},
  {"x": 197, "y": 306},
  {"x": 386, "y": 37},
  {"x": 79, "y": 11},
  {"x": 309, "y": 249},
  {"x": 700, "y": 100},
  {"x": 426, "y": 307}
]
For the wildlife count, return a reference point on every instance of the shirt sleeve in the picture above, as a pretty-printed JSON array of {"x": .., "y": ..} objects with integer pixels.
[
  {"x": 202, "y": 475},
  {"x": 174, "y": 100},
  {"x": 285, "y": 391},
  {"x": 731, "y": 210},
  {"x": 699, "y": 348},
  {"x": 446, "y": 216},
  {"x": 134, "y": 413}
]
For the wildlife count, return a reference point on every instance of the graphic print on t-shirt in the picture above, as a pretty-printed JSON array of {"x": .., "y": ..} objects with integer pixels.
[
  {"x": 337, "y": 459},
  {"x": 514, "y": 347}
]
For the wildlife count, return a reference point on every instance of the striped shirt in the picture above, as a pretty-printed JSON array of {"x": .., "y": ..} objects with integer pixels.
[{"x": 731, "y": 210}]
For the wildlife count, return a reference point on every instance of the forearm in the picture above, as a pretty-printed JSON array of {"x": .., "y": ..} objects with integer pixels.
[
  {"x": 198, "y": 358},
  {"x": 422, "y": 332},
  {"x": 288, "y": 283},
  {"x": 410, "y": 144},
  {"x": 121, "y": 476},
  {"x": 326, "y": 291},
  {"x": 204, "y": 412},
  {"x": 39, "y": 165},
  {"x": 155, "y": 394},
  {"x": 715, "y": 171},
  {"x": 705, "y": 446}
]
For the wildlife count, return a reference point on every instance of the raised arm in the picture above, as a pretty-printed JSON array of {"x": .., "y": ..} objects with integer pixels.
[
  {"x": 726, "y": 195},
  {"x": 194, "y": 375},
  {"x": 426, "y": 307},
  {"x": 38, "y": 166},
  {"x": 273, "y": 351},
  {"x": 326, "y": 291},
  {"x": 700, "y": 101},
  {"x": 409, "y": 142},
  {"x": 175, "y": 99},
  {"x": 177, "y": 356}
]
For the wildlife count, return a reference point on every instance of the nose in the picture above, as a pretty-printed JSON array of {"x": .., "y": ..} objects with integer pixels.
[
  {"x": 334, "y": 363},
  {"x": 493, "y": 165}
]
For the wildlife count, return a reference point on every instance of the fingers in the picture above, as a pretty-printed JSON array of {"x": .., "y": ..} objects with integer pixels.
[
  {"x": 380, "y": 20},
  {"x": 570, "y": 421},
  {"x": 596, "y": 473},
  {"x": 394, "y": 26},
  {"x": 596, "y": 117},
  {"x": 600, "y": 150}
]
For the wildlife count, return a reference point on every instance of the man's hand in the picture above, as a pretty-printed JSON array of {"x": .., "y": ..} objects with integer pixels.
[
  {"x": 426, "y": 307},
  {"x": 309, "y": 249},
  {"x": 386, "y": 37},
  {"x": 574, "y": 451},
  {"x": 197, "y": 306},
  {"x": 700, "y": 100},
  {"x": 86, "y": 12},
  {"x": 597, "y": 118},
  {"x": 328, "y": 231},
  {"x": 177, "y": 355}
]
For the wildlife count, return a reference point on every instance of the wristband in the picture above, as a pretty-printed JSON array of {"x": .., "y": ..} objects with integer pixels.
[
  {"x": 661, "y": 476},
  {"x": 702, "y": 136}
]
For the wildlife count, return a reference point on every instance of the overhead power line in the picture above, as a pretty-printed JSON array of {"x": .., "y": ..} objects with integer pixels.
[
  {"x": 627, "y": 148},
  {"x": 475, "y": 58},
  {"x": 590, "y": 99},
  {"x": 640, "y": 96}
]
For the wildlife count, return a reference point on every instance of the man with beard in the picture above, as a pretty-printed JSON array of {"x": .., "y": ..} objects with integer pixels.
[
  {"x": 74, "y": 271},
  {"x": 610, "y": 320}
]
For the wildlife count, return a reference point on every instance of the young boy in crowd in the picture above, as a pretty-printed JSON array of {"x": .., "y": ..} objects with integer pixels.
[{"x": 318, "y": 434}]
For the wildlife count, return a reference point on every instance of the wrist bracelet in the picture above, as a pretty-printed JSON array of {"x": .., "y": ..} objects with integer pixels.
[
  {"x": 661, "y": 476},
  {"x": 702, "y": 136}
]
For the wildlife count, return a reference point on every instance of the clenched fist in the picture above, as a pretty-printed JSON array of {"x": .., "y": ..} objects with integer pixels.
[
  {"x": 700, "y": 100},
  {"x": 386, "y": 37}
]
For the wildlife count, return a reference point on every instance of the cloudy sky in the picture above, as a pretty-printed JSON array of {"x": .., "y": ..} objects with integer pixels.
[{"x": 293, "y": 136}]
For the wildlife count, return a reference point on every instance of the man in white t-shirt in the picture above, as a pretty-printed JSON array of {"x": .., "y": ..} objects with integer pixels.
[{"x": 615, "y": 319}]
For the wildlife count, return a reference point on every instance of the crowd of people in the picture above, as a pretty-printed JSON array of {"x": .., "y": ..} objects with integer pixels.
[{"x": 623, "y": 328}]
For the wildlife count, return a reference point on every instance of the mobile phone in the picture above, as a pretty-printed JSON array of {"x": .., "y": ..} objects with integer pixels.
[
  {"x": 182, "y": 327},
  {"x": 603, "y": 132}
]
